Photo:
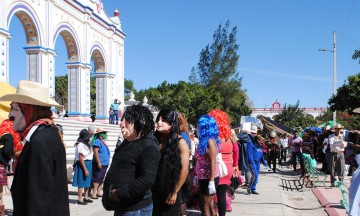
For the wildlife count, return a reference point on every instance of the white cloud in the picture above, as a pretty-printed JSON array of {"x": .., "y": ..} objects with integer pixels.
[{"x": 285, "y": 75}]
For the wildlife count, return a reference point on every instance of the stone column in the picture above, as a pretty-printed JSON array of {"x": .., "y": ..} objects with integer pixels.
[
  {"x": 4, "y": 55},
  {"x": 79, "y": 91},
  {"x": 51, "y": 70},
  {"x": 104, "y": 92},
  {"x": 41, "y": 66},
  {"x": 33, "y": 63}
]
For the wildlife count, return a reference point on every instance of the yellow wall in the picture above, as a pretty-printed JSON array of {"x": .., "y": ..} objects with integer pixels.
[{"x": 5, "y": 105}]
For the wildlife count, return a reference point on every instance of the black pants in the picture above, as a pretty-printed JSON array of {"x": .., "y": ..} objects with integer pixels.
[
  {"x": 273, "y": 155},
  {"x": 283, "y": 154},
  {"x": 221, "y": 196},
  {"x": 298, "y": 155}
]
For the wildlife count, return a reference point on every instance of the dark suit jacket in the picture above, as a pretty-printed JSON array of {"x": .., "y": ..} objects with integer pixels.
[
  {"x": 6, "y": 148},
  {"x": 40, "y": 183}
]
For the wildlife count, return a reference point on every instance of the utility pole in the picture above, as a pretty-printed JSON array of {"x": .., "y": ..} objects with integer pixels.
[
  {"x": 334, "y": 73},
  {"x": 334, "y": 90}
]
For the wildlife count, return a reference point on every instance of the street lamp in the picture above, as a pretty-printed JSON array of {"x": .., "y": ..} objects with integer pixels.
[{"x": 334, "y": 78}]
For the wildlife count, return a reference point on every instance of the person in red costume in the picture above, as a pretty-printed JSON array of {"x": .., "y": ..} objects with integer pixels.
[
  {"x": 7, "y": 135},
  {"x": 230, "y": 154}
]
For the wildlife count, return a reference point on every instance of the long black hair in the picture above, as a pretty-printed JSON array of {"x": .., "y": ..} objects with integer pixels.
[{"x": 170, "y": 163}]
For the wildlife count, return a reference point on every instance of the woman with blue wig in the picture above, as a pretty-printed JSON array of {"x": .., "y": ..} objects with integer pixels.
[{"x": 207, "y": 172}]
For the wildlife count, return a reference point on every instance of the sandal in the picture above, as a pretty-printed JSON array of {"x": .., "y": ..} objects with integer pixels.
[
  {"x": 88, "y": 200},
  {"x": 81, "y": 202},
  {"x": 98, "y": 195},
  {"x": 94, "y": 197}
]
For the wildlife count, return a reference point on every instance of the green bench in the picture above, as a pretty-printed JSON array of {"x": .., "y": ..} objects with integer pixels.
[
  {"x": 312, "y": 174},
  {"x": 344, "y": 201}
]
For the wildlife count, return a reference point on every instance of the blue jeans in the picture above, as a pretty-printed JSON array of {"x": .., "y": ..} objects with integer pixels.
[
  {"x": 146, "y": 211},
  {"x": 111, "y": 119},
  {"x": 116, "y": 116}
]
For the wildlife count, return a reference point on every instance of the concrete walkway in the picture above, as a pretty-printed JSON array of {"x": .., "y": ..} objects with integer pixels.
[{"x": 272, "y": 200}]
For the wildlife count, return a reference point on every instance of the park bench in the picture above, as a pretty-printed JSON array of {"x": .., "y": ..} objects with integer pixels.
[
  {"x": 312, "y": 174},
  {"x": 344, "y": 201}
]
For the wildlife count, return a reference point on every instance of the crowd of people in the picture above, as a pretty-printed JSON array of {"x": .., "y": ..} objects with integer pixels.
[{"x": 159, "y": 167}]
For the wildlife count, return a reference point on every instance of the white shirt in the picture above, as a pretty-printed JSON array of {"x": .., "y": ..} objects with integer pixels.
[
  {"x": 83, "y": 149},
  {"x": 326, "y": 140},
  {"x": 284, "y": 142},
  {"x": 337, "y": 144}
]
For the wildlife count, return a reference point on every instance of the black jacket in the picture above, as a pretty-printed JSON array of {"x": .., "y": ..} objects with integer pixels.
[
  {"x": 132, "y": 172},
  {"x": 6, "y": 148},
  {"x": 40, "y": 187}
]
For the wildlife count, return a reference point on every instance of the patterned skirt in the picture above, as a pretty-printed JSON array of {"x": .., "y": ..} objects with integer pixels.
[{"x": 3, "y": 175}]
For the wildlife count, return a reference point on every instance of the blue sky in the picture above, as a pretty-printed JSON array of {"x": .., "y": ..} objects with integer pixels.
[{"x": 278, "y": 39}]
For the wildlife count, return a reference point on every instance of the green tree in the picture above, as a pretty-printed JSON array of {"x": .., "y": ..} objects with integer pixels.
[
  {"x": 356, "y": 55},
  {"x": 129, "y": 87},
  {"x": 350, "y": 121},
  {"x": 191, "y": 99},
  {"x": 348, "y": 95},
  {"x": 217, "y": 68},
  {"x": 93, "y": 95},
  {"x": 294, "y": 117},
  {"x": 61, "y": 90}
]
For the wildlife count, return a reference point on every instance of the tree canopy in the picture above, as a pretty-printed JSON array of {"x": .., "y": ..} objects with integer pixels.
[
  {"x": 61, "y": 90},
  {"x": 217, "y": 68},
  {"x": 191, "y": 99},
  {"x": 129, "y": 87},
  {"x": 294, "y": 117},
  {"x": 348, "y": 95}
]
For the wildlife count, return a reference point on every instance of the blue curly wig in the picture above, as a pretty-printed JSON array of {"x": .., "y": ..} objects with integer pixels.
[{"x": 207, "y": 129}]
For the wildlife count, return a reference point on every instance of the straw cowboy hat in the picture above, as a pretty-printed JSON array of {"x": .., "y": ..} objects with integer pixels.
[
  {"x": 100, "y": 130},
  {"x": 29, "y": 92},
  {"x": 338, "y": 126}
]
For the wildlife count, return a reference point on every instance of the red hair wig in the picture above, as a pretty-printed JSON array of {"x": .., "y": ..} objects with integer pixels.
[{"x": 223, "y": 122}]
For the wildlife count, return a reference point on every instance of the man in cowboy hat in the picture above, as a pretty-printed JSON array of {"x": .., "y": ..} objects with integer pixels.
[
  {"x": 40, "y": 182},
  {"x": 337, "y": 158}
]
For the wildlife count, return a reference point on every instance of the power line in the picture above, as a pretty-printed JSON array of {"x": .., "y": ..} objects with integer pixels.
[{"x": 348, "y": 19}]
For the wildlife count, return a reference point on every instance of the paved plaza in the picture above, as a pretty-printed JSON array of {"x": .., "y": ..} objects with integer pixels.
[{"x": 272, "y": 200}]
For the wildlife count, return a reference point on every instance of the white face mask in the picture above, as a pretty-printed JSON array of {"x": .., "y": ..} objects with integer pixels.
[{"x": 357, "y": 158}]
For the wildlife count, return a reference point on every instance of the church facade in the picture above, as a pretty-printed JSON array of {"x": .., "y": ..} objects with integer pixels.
[
  {"x": 276, "y": 109},
  {"x": 88, "y": 33}
]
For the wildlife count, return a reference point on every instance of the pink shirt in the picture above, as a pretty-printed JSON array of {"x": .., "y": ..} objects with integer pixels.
[
  {"x": 295, "y": 144},
  {"x": 230, "y": 156},
  {"x": 203, "y": 166}
]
